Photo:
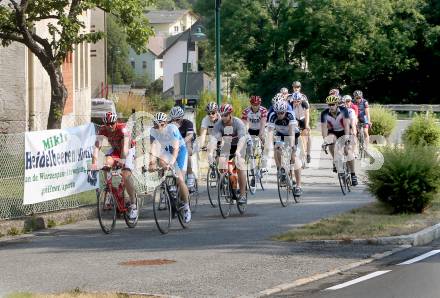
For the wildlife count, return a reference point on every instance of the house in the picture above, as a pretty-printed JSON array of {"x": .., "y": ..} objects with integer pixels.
[
  {"x": 174, "y": 57},
  {"x": 165, "y": 24},
  {"x": 148, "y": 63},
  {"x": 25, "y": 90},
  {"x": 171, "y": 22}
]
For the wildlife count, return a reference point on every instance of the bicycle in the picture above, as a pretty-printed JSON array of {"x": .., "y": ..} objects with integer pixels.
[
  {"x": 344, "y": 175},
  {"x": 302, "y": 145},
  {"x": 193, "y": 195},
  {"x": 227, "y": 195},
  {"x": 167, "y": 203},
  {"x": 111, "y": 201},
  {"x": 285, "y": 181},
  {"x": 253, "y": 163},
  {"x": 361, "y": 139}
]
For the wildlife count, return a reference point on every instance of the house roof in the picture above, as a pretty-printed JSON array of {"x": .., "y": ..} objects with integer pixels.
[
  {"x": 172, "y": 40},
  {"x": 165, "y": 16},
  {"x": 156, "y": 44}
]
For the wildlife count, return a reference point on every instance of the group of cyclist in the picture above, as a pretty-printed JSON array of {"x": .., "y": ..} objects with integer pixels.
[{"x": 172, "y": 138}]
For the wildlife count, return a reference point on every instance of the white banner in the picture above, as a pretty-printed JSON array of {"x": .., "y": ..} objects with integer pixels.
[{"x": 56, "y": 163}]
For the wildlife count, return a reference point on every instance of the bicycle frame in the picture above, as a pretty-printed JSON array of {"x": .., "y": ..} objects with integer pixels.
[{"x": 118, "y": 192}]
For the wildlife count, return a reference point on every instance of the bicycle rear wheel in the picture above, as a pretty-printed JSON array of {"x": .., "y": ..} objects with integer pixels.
[
  {"x": 162, "y": 209},
  {"x": 361, "y": 145},
  {"x": 211, "y": 185},
  {"x": 180, "y": 209},
  {"x": 342, "y": 183},
  {"x": 242, "y": 207},
  {"x": 106, "y": 206},
  {"x": 283, "y": 188},
  {"x": 224, "y": 195},
  {"x": 250, "y": 174},
  {"x": 132, "y": 222}
]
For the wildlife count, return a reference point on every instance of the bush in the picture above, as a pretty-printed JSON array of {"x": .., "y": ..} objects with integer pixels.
[
  {"x": 205, "y": 97},
  {"x": 409, "y": 178},
  {"x": 239, "y": 101},
  {"x": 314, "y": 116},
  {"x": 383, "y": 121},
  {"x": 423, "y": 130}
]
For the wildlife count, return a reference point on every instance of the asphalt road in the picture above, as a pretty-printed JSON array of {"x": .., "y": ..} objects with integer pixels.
[
  {"x": 411, "y": 273},
  {"x": 213, "y": 258}
]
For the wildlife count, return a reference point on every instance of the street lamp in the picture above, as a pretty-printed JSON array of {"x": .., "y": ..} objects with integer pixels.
[
  {"x": 196, "y": 36},
  {"x": 217, "y": 49},
  {"x": 115, "y": 51}
]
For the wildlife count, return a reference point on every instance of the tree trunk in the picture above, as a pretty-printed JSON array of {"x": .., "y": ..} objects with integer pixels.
[{"x": 58, "y": 97}]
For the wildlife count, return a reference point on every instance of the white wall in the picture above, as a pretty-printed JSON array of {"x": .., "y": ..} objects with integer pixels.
[
  {"x": 158, "y": 70},
  {"x": 173, "y": 63}
]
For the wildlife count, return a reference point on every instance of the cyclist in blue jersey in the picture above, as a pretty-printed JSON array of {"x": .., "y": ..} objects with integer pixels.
[{"x": 168, "y": 145}]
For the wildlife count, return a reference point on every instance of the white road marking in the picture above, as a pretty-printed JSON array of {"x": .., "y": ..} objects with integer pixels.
[
  {"x": 358, "y": 280},
  {"x": 419, "y": 258}
]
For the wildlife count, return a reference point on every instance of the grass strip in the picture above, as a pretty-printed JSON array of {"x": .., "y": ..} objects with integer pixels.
[{"x": 370, "y": 221}]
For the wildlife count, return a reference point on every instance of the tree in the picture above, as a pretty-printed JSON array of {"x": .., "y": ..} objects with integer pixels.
[
  {"x": 117, "y": 52},
  {"x": 64, "y": 17}
]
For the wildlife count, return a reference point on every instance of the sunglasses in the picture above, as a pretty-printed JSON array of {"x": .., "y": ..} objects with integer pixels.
[
  {"x": 331, "y": 104},
  {"x": 358, "y": 97},
  {"x": 212, "y": 113},
  {"x": 226, "y": 115},
  {"x": 281, "y": 113}
]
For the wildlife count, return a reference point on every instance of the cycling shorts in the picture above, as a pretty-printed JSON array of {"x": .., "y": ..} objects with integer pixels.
[
  {"x": 280, "y": 137},
  {"x": 129, "y": 160},
  {"x": 254, "y": 132}
]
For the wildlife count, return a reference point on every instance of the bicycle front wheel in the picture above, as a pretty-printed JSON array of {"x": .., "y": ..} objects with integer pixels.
[
  {"x": 224, "y": 195},
  {"x": 342, "y": 183},
  {"x": 162, "y": 209},
  {"x": 283, "y": 188},
  {"x": 194, "y": 197},
  {"x": 106, "y": 206},
  {"x": 250, "y": 175},
  {"x": 211, "y": 185}
]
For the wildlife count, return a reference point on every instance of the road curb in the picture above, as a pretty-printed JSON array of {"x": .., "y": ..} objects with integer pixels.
[
  {"x": 419, "y": 238},
  {"x": 318, "y": 276}
]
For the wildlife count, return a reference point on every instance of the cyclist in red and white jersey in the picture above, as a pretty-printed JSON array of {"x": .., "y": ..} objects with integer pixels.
[
  {"x": 255, "y": 117},
  {"x": 122, "y": 152}
]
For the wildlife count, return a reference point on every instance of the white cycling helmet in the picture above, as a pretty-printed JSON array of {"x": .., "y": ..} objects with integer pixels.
[
  {"x": 280, "y": 106},
  {"x": 278, "y": 97},
  {"x": 297, "y": 96},
  {"x": 211, "y": 107},
  {"x": 346, "y": 98},
  {"x": 176, "y": 113},
  {"x": 284, "y": 90},
  {"x": 159, "y": 117}
]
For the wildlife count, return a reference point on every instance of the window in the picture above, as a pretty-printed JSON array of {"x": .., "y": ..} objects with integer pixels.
[
  {"x": 189, "y": 67},
  {"x": 133, "y": 64},
  {"x": 183, "y": 28},
  {"x": 176, "y": 29},
  {"x": 161, "y": 64},
  {"x": 144, "y": 64}
]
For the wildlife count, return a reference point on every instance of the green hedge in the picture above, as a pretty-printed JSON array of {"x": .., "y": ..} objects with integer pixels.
[
  {"x": 384, "y": 121},
  {"x": 409, "y": 178},
  {"x": 423, "y": 130}
]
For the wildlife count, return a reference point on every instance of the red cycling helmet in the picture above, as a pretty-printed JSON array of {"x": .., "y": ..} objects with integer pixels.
[
  {"x": 225, "y": 109},
  {"x": 110, "y": 118},
  {"x": 255, "y": 100}
]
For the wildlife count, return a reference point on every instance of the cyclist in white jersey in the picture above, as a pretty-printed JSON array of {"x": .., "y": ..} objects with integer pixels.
[
  {"x": 208, "y": 122},
  {"x": 254, "y": 117},
  {"x": 284, "y": 124},
  {"x": 302, "y": 113},
  {"x": 168, "y": 145}
]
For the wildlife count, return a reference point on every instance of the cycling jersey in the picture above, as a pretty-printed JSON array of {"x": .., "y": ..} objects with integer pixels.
[
  {"x": 289, "y": 109},
  {"x": 208, "y": 124},
  {"x": 186, "y": 127},
  {"x": 166, "y": 139},
  {"x": 334, "y": 123},
  {"x": 281, "y": 126},
  {"x": 362, "y": 106},
  {"x": 116, "y": 138},
  {"x": 253, "y": 118},
  {"x": 301, "y": 110},
  {"x": 234, "y": 132}
]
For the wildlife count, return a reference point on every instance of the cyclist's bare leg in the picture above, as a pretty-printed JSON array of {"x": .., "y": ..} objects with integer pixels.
[
  {"x": 367, "y": 137},
  {"x": 242, "y": 181},
  {"x": 183, "y": 189},
  {"x": 129, "y": 184},
  {"x": 309, "y": 143},
  {"x": 296, "y": 167},
  {"x": 277, "y": 156},
  {"x": 189, "y": 148}
]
